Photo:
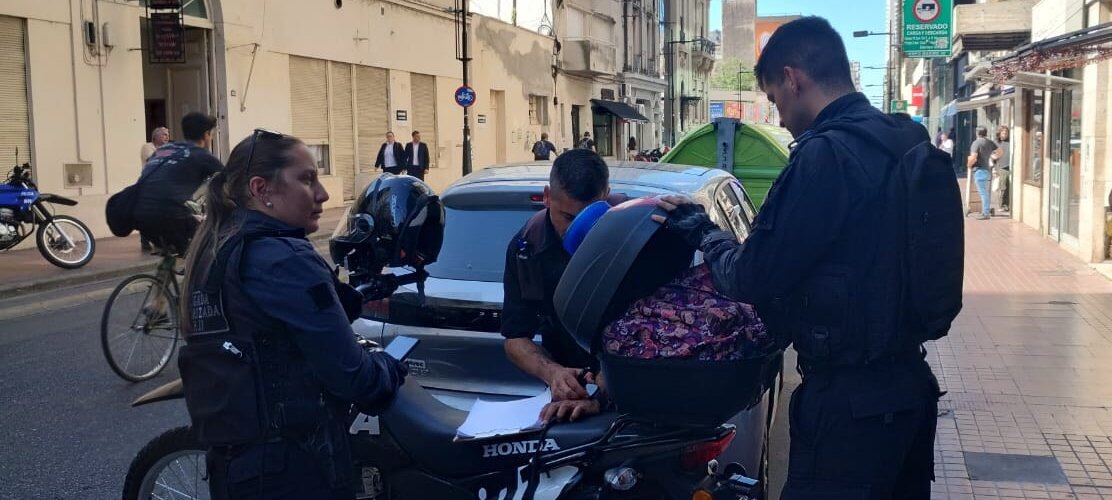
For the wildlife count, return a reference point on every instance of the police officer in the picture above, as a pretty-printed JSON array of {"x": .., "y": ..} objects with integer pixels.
[
  {"x": 271, "y": 366},
  {"x": 535, "y": 260},
  {"x": 820, "y": 269}
]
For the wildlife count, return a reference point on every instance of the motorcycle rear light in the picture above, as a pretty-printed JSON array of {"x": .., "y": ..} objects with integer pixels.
[
  {"x": 696, "y": 456},
  {"x": 378, "y": 310},
  {"x": 702, "y": 495},
  {"x": 621, "y": 478}
]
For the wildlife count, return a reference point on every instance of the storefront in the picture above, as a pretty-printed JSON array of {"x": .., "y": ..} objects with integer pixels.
[{"x": 608, "y": 117}]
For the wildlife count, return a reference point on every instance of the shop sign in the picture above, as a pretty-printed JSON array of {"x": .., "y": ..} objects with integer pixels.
[
  {"x": 167, "y": 44},
  {"x": 917, "y": 96},
  {"x": 927, "y": 28}
]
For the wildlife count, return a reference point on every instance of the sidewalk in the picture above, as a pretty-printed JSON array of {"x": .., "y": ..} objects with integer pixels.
[
  {"x": 1028, "y": 370},
  {"x": 25, "y": 271}
]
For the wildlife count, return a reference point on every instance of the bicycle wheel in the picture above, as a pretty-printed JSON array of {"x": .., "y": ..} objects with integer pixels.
[{"x": 139, "y": 327}]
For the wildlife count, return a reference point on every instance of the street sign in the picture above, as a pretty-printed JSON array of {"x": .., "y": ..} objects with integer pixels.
[
  {"x": 927, "y": 28},
  {"x": 465, "y": 96},
  {"x": 717, "y": 110},
  {"x": 899, "y": 106},
  {"x": 167, "y": 38}
]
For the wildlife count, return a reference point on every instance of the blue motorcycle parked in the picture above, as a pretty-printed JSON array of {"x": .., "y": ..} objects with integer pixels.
[{"x": 62, "y": 240}]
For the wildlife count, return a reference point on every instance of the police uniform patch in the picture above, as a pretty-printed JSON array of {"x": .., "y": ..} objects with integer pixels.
[
  {"x": 206, "y": 313},
  {"x": 321, "y": 295}
]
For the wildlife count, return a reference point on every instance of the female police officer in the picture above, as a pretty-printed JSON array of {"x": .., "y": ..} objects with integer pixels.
[{"x": 271, "y": 366}]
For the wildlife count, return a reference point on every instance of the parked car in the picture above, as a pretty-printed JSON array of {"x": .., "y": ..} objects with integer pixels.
[{"x": 460, "y": 356}]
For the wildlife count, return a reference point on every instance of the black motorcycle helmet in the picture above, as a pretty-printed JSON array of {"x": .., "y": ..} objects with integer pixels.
[
  {"x": 397, "y": 221},
  {"x": 624, "y": 257}
]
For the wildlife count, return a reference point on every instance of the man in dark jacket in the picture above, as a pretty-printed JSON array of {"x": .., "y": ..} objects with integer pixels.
[
  {"x": 535, "y": 261},
  {"x": 543, "y": 149},
  {"x": 173, "y": 175},
  {"x": 391, "y": 156},
  {"x": 823, "y": 272},
  {"x": 417, "y": 157}
]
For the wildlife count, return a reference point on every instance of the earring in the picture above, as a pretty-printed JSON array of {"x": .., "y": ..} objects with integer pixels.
[{"x": 269, "y": 205}]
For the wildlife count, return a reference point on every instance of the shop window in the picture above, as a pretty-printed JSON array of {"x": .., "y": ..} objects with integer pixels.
[
  {"x": 1035, "y": 150},
  {"x": 538, "y": 110}
]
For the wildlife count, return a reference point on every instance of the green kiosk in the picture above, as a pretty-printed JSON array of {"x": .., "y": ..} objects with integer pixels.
[{"x": 754, "y": 153}]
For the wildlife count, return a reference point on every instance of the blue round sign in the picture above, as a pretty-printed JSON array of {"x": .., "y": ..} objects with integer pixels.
[{"x": 465, "y": 96}]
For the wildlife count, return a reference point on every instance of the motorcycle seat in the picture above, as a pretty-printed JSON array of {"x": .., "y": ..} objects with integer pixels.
[{"x": 426, "y": 428}]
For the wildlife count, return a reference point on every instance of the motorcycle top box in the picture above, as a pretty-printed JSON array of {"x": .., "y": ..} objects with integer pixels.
[{"x": 623, "y": 258}]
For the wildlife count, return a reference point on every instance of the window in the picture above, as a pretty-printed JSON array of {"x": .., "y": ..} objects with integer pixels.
[
  {"x": 1033, "y": 169},
  {"x": 320, "y": 156},
  {"x": 734, "y": 205},
  {"x": 538, "y": 110}
]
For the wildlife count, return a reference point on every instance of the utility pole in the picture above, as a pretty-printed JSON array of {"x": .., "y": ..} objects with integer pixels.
[{"x": 463, "y": 55}]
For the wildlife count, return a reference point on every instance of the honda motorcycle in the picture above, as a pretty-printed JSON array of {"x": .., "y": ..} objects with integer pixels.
[
  {"x": 62, "y": 240},
  {"x": 410, "y": 452}
]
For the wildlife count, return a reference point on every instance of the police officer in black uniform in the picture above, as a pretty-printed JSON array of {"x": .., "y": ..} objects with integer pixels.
[
  {"x": 271, "y": 366},
  {"x": 535, "y": 260},
  {"x": 822, "y": 269}
]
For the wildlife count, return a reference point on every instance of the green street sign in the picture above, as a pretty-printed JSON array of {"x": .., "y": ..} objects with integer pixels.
[
  {"x": 927, "y": 27},
  {"x": 899, "y": 106}
]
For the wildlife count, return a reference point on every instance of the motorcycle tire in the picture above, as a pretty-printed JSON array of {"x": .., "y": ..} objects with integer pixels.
[
  {"x": 59, "y": 260},
  {"x": 149, "y": 473}
]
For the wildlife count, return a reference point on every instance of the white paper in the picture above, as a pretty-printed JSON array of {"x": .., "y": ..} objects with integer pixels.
[{"x": 490, "y": 418}]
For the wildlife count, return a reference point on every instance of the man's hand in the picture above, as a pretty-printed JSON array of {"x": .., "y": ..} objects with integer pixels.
[
  {"x": 686, "y": 219},
  {"x": 564, "y": 383},
  {"x": 569, "y": 410}
]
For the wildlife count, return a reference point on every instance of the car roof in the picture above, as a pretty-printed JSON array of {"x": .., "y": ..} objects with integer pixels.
[{"x": 656, "y": 176}]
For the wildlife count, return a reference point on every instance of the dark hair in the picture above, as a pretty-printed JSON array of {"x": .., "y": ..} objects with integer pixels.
[
  {"x": 982, "y": 132},
  {"x": 544, "y": 135},
  {"x": 581, "y": 174},
  {"x": 228, "y": 190},
  {"x": 194, "y": 125},
  {"x": 415, "y": 132},
  {"x": 1000, "y": 133},
  {"x": 808, "y": 44}
]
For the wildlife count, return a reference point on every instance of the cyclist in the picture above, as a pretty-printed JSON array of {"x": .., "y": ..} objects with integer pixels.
[{"x": 172, "y": 175}]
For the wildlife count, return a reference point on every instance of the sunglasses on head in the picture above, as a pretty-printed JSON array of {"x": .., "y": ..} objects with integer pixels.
[{"x": 259, "y": 132}]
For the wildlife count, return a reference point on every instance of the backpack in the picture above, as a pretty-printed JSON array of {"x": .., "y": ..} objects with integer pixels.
[
  {"x": 540, "y": 149},
  {"x": 924, "y": 187},
  {"x": 120, "y": 209}
]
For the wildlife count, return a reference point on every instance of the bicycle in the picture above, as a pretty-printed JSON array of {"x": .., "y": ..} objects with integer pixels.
[{"x": 141, "y": 317}]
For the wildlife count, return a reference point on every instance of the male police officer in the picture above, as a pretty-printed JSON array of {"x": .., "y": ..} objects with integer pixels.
[
  {"x": 821, "y": 268},
  {"x": 535, "y": 260}
]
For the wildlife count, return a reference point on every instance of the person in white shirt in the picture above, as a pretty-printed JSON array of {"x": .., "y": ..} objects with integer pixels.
[
  {"x": 159, "y": 137},
  {"x": 391, "y": 156},
  {"x": 946, "y": 144}
]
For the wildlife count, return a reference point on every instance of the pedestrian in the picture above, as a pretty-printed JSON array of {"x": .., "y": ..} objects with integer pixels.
[
  {"x": 632, "y": 147},
  {"x": 821, "y": 269},
  {"x": 938, "y": 137},
  {"x": 171, "y": 178},
  {"x": 1002, "y": 170},
  {"x": 980, "y": 163},
  {"x": 946, "y": 144},
  {"x": 586, "y": 142},
  {"x": 391, "y": 156},
  {"x": 270, "y": 367},
  {"x": 417, "y": 157},
  {"x": 543, "y": 149},
  {"x": 159, "y": 137}
]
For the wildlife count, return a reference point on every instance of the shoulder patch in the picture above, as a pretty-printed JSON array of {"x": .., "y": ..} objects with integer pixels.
[{"x": 321, "y": 295}]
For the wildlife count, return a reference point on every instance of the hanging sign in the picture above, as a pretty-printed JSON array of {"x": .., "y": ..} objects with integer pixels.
[
  {"x": 927, "y": 28},
  {"x": 167, "y": 43}
]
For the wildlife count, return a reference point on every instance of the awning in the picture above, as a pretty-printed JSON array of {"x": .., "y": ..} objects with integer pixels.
[
  {"x": 621, "y": 110},
  {"x": 984, "y": 96},
  {"x": 1023, "y": 79},
  {"x": 1071, "y": 50}
]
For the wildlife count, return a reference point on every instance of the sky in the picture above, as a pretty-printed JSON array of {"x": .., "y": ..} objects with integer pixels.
[{"x": 846, "y": 16}]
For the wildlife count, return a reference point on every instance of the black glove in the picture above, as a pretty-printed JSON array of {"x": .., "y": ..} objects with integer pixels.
[
  {"x": 392, "y": 375},
  {"x": 691, "y": 223}
]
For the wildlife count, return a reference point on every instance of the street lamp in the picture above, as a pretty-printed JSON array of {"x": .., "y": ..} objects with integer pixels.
[
  {"x": 891, "y": 45},
  {"x": 863, "y": 34}
]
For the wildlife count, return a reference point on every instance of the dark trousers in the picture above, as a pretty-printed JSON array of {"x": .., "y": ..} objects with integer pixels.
[
  {"x": 865, "y": 434},
  {"x": 418, "y": 172},
  {"x": 393, "y": 170},
  {"x": 279, "y": 470}
]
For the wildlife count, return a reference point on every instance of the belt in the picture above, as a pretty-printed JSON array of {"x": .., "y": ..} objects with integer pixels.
[{"x": 812, "y": 367}]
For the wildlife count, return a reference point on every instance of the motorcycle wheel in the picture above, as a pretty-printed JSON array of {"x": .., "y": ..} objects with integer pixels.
[
  {"x": 172, "y": 465},
  {"x": 65, "y": 242}
]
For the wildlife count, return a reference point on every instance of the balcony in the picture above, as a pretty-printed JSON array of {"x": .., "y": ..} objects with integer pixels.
[
  {"x": 588, "y": 58},
  {"x": 992, "y": 26},
  {"x": 703, "y": 53}
]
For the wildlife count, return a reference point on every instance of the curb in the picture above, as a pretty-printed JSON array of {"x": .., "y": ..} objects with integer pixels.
[{"x": 28, "y": 287}]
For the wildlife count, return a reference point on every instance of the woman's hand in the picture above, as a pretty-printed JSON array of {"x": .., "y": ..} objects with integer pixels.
[{"x": 569, "y": 410}]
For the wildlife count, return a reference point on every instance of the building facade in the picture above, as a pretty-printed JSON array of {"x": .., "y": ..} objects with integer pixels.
[
  {"x": 689, "y": 61},
  {"x": 642, "y": 83},
  {"x": 79, "y": 96}
]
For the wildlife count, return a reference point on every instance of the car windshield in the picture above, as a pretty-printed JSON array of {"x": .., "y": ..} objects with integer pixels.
[{"x": 475, "y": 242}]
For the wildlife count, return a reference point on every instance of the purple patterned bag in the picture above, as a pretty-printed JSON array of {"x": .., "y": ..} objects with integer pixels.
[{"x": 687, "y": 318}]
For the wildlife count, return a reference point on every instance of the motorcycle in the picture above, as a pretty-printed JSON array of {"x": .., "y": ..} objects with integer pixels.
[
  {"x": 62, "y": 240},
  {"x": 410, "y": 452}
]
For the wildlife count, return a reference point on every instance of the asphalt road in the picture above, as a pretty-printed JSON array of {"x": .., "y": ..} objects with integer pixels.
[{"x": 66, "y": 427}]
